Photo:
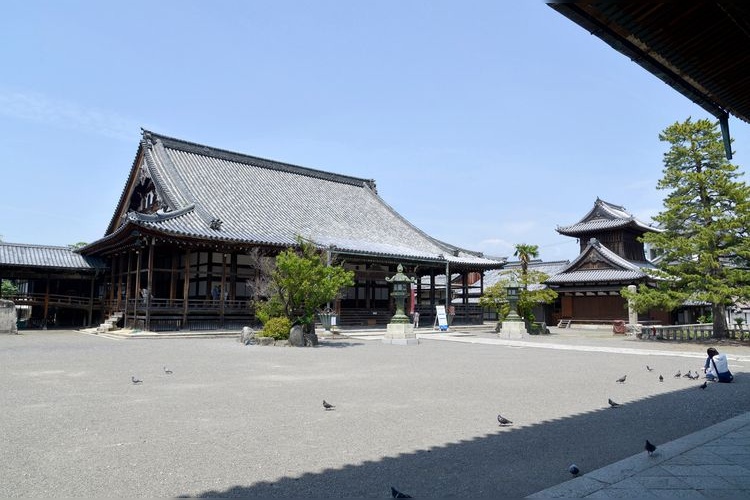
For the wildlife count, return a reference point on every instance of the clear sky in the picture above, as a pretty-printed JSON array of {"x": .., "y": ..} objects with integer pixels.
[{"x": 484, "y": 123}]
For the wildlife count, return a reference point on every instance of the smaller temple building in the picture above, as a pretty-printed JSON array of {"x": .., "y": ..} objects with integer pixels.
[
  {"x": 611, "y": 257},
  {"x": 55, "y": 285}
]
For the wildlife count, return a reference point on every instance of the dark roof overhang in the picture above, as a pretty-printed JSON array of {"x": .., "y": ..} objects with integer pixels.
[{"x": 700, "y": 48}]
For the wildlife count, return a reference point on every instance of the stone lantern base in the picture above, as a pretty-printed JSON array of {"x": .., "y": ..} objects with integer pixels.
[
  {"x": 401, "y": 334},
  {"x": 512, "y": 330}
]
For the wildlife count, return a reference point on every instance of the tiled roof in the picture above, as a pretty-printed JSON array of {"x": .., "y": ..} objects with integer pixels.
[
  {"x": 549, "y": 268},
  {"x": 16, "y": 254},
  {"x": 604, "y": 216},
  {"x": 619, "y": 268},
  {"x": 596, "y": 276},
  {"x": 220, "y": 195}
]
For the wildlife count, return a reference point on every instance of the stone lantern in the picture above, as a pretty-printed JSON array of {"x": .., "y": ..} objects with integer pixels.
[
  {"x": 512, "y": 291},
  {"x": 513, "y": 325},
  {"x": 400, "y": 330}
]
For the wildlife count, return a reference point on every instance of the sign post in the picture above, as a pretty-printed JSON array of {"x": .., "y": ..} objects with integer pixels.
[{"x": 441, "y": 319}]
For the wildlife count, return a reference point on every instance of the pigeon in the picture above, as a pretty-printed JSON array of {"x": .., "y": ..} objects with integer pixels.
[
  {"x": 573, "y": 469},
  {"x": 398, "y": 494},
  {"x": 650, "y": 448},
  {"x": 503, "y": 420},
  {"x": 688, "y": 375},
  {"x": 703, "y": 385},
  {"x": 621, "y": 379},
  {"x": 613, "y": 404},
  {"x": 649, "y": 368},
  {"x": 328, "y": 406},
  {"x": 167, "y": 371},
  {"x": 136, "y": 381},
  {"x": 661, "y": 379},
  {"x": 678, "y": 374}
]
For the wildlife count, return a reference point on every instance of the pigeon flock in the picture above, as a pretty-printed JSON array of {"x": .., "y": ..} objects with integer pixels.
[{"x": 503, "y": 421}]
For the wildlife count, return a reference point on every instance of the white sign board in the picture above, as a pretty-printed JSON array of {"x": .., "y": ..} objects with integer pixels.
[{"x": 441, "y": 320}]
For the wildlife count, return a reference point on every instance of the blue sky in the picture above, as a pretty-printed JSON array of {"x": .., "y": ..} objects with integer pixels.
[{"x": 484, "y": 123}]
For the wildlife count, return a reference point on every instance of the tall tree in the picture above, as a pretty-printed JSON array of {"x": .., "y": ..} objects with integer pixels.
[
  {"x": 302, "y": 282},
  {"x": 525, "y": 253},
  {"x": 704, "y": 246}
]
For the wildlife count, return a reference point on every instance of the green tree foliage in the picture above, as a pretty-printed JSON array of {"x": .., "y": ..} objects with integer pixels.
[
  {"x": 302, "y": 282},
  {"x": 8, "y": 288},
  {"x": 495, "y": 297},
  {"x": 525, "y": 253},
  {"x": 76, "y": 246},
  {"x": 704, "y": 247}
]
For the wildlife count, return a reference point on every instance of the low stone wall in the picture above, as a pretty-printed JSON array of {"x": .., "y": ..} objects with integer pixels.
[{"x": 8, "y": 317}]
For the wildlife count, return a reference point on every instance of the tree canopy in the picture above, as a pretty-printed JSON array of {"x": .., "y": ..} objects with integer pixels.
[
  {"x": 704, "y": 249},
  {"x": 495, "y": 297},
  {"x": 302, "y": 282}
]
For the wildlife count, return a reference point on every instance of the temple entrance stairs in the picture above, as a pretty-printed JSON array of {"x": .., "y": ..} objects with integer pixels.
[{"x": 110, "y": 323}]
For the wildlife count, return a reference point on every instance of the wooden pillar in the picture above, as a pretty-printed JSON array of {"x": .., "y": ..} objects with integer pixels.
[
  {"x": 127, "y": 289},
  {"x": 46, "y": 303},
  {"x": 465, "y": 292},
  {"x": 150, "y": 283},
  {"x": 448, "y": 285},
  {"x": 118, "y": 301},
  {"x": 222, "y": 288},
  {"x": 111, "y": 294},
  {"x": 481, "y": 293},
  {"x": 432, "y": 292},
  {"x": 173, "y": 279},
  {"x": 233, "y": 277},
  {"x": 186, "y": 288},
  {"x": 418, "y": 297},
  {"x": 91, "y": 300},
  {"x": 137, "y": 286}
]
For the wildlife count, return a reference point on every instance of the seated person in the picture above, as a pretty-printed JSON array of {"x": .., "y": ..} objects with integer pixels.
[{"x": 717, "y": 367}]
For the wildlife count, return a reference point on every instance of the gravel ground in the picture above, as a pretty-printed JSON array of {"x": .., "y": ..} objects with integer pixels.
[{"x": 236, "y": 420}]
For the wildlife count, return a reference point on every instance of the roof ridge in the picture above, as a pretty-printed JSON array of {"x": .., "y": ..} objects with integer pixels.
[
  {"x": 36, "y": 245},
  {"x": 257, "y": 161}
]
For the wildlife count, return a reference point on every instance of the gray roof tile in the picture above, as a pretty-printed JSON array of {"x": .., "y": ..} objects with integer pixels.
[
  {"x": 264, "y": 202},
  {"x": 605, "y": 216},
  {"x": 16, "y": 254},
  {"x": 620, "y": 269}
]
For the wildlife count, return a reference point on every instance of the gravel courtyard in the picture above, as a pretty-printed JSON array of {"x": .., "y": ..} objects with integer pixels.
[{"x": 234, "y": 420}]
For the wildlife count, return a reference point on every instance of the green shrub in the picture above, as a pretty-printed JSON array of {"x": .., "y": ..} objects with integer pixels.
[
  {"x": 277, "y": 328},
  {"x": 268, "y": 309}
]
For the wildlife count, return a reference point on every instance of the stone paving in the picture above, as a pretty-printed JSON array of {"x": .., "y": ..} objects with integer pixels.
[
  {"x": 237, "y": 420},
  {"x": 712, "y": 463}
]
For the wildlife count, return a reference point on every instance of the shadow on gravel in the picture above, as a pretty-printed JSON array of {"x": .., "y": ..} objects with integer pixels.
[
  {"x": 338, "y": 344},
  {"x": 519, "y": 460}
]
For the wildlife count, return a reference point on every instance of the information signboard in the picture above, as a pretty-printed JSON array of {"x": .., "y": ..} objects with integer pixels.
[{"x": 441, "y": 319}]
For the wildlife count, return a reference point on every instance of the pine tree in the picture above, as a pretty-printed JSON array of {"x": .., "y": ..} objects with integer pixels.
[{"x": 705, "y": 249}]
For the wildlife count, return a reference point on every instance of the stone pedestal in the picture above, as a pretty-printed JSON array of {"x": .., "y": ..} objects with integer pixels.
[
  {"x": 325, "y": 334},
  {"x": 8, "y": 317},
  {"x": 512, "y": 330},
  {"x": 401, "y": 334}
]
